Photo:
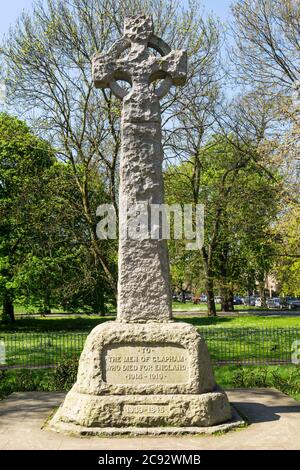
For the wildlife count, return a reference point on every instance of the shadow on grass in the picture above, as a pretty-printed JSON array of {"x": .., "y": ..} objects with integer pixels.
[
  {"x": 203, "y": 321},
  {"x": 54, "y": 324},
  {"x": 89, "y": 322}
]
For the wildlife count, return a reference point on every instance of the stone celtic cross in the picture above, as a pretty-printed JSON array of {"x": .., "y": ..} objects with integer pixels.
[
  {"x": 142, "y": 374},
  {"x": 144, "y": 286}
]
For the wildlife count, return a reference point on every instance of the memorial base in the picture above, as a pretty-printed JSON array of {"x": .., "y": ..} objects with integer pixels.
[
  {"x": 140, "y": 414},
  {"x": 143, "y": 375}
]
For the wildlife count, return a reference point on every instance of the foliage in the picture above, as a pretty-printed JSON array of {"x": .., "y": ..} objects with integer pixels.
[
  {"x": 24, "y": 162},
  {"x": 288, "y": 263},
  {"x": 47, "y": 59},
  {"x": 289, "y": 382},
  {"x": 24, "y": 380},
  {"x": 241, "y": 200},
  {"x": 238, "y": 157},
  {"x": 285, "y": 378},
  {"x": 65, "y": 373},
  {"x": 59, "y": 379}
]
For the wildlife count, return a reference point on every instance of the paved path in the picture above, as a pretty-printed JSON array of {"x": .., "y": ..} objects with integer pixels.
[{"x": 275, "y": 420}]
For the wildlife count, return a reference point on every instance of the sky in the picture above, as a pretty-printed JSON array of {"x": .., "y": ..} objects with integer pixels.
[{"x": 11, "y": 10}]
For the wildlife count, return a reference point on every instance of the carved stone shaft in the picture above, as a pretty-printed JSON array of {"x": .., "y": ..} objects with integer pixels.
[{"x": 144, "y": 282}]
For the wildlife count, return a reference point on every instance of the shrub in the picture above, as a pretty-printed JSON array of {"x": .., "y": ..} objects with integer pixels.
[
  {"x": 65, "y": 373},
  {"x": 285, "y": 380}
]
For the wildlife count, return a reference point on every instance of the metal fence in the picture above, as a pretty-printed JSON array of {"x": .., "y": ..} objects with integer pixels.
[
  {"x": 251, "y": 345},
  {"x": 226, "y": 346}
]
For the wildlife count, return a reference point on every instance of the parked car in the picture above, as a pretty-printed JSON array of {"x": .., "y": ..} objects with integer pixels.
[
  {"x": 186, "y": 297},
  {"x": 250, "y": 301},
  {"x": 274, "y": 302},
  {"x": 257, "y": 302},
  {"x": 292, "y": 303},
  {"x": 203, "y": 298},
  {"x": 218, "y": 299},
  {"x": 237, "y": 301}
]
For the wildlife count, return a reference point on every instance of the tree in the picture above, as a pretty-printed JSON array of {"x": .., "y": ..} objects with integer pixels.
[
  {"x": 267, "y": 56},
  {"x": 47, "y": 59},
  {"x": 287, "y": 269},
  {"x": 59, "y": 268},
  {"x": 24, "y": 161},
  {"x": 268, "y": 42},
  {"x": 240, "y": 200}
]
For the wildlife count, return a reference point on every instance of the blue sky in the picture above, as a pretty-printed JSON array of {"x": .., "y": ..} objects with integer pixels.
[{"x": 12, "y": 10}]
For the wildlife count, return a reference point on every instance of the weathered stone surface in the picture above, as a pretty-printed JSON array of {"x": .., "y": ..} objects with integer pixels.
[
  {"x": 144, "y": 283},
  {"x": 182, "y": 342},
  {"x": 207, "y": 409},
  {"x": 144, "y": 375}
]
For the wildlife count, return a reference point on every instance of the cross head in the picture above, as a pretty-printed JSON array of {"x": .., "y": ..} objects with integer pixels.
[{"x": 130, "y": 59}]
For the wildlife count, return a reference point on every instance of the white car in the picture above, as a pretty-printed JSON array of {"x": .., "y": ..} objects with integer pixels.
[{"x": 258, "y": 302}]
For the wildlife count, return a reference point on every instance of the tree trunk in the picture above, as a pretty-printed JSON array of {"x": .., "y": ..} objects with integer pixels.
[
  {"x": 224, "y": 299},
  {"x": 250, "y": 292},
  {"x": 230, "y": 301},
  {"x": 262, "y": 294},
  {"x": 46, "y": 310},
  {"x": 47, "y": 304},
  {"x": 8, "y": 314},
  {"x": 209, "y": 284},
  {"x": 227, "y": 299},
  {"x": 211, "y": 306}
]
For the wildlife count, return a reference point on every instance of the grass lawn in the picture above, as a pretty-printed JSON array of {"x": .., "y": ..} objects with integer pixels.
[
  {"x": 202, "y": 307},
  {"x": 242, "y": 322},
  {"x": 176, "y": 306},
  {"x": 86, "y": 323},
  {"x": 31, "y": 310}
]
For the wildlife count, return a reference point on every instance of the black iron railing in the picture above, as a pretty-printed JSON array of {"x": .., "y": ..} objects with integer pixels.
[{"x": 226, "y": 346}]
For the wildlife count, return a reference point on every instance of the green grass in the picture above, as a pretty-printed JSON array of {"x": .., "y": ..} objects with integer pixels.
[
  {"x": 190, "y": 307},
  {"x": 88, "y": 322},
  {"x": 202, "y": 307},
  {"x": 43, "y": 340},
  {"x": 28, "y": 310},
  {"x": 241, "y": 322},
  {"x": 176, "y": 306}
]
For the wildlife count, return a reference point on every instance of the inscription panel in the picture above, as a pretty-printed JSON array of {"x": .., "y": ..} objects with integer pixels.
[
  {"x": 155, "y": 409},
  {"x": 145, "y": 364}
]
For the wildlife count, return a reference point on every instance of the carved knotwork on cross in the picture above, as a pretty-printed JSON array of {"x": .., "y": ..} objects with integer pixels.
[{"x": 139, "y": 67}]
